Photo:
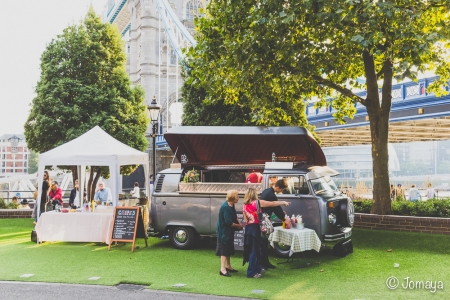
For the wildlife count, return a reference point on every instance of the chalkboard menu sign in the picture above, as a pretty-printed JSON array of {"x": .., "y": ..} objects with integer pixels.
[
  {"x": 239, "y": 235},
  {"x": 125, "y": 224}
]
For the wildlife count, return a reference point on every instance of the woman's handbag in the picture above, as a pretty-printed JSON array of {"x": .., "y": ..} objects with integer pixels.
[
  {"x": 48, "y": 205},
  {"x": 264, "y": 222}
]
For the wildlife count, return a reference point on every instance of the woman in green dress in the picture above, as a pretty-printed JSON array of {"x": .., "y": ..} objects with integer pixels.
[{"x": 226, "y": 225}]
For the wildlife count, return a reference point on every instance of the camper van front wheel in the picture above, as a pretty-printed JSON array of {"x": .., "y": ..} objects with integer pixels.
[
  {"x": 281, "y": 250},
  {"x": 182, "y": 237}
]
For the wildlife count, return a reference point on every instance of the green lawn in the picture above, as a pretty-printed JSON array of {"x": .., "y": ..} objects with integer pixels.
[{"x": 361, "y": 275}]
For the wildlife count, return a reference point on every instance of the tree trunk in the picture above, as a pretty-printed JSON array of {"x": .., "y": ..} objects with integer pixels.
[
  {"x": 94, "y": 182},
  {"x": 89, "y": 185},
  {"x": 379, "y": 130},
  {"x": 74, "y": 170}
]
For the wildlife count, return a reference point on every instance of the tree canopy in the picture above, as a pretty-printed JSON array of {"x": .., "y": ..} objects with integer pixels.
[
  {"x": 272, "y": 51},
  {"x": 198, "y": 113},
  {"x": 83, "y": 83},
  {"x": 198, "y": 110}
]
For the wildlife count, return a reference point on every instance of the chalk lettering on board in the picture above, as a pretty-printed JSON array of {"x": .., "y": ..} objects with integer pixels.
[{"x": 239, "y": 235}]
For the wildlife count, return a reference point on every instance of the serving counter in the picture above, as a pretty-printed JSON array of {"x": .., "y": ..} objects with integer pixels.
[{"x": 74, "y": 227}]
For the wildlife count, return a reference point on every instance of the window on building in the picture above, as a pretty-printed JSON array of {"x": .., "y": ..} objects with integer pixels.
[
  {"x": 25, "y": 164},
  {"x": 173, "y": 57},
  {"x": 110, "y": 6},
  {"x": 193, "y": 9}
]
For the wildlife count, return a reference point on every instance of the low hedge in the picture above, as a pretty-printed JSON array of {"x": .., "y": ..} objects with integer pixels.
[
  {"x": 10, "y": 205},
  {"x": 429, "y": 208}
]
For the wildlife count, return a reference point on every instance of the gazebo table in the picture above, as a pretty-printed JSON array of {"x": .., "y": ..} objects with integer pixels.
[{"x": 74, "y": 227}]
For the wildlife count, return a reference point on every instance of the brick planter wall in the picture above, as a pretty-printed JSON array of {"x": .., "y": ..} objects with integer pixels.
[
  {"x": 15, "y": 213},
  {"x": 403, "y": 223}
]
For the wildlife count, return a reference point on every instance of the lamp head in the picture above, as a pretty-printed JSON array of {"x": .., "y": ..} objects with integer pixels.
[{"x": 153, "y": 110}]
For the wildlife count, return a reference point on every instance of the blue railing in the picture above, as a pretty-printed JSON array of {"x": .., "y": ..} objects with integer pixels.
[
  {"x": 161, "y": 142},
  {"x": 404, "y": 95},
  {"x": 117, "y": 11},
  {"x": 400, "y": 92}
]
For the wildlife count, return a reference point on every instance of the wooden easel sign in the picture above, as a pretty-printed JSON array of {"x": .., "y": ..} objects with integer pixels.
[{"x": 125, "y": 224}]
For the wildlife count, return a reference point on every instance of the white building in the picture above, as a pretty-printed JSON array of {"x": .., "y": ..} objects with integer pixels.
[
  {"x": 355, "y": 162},
  {"x": 14, "y": 155},
  {"x": 152, "y": 61}
]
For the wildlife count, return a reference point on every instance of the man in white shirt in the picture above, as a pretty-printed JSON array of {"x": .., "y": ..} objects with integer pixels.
[
  {"x": 414, "y": 194},
  {"x": 102, "y": 193}
]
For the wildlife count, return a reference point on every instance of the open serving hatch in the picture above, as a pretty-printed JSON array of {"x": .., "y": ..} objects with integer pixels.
[{"x": 230, "y": 145}]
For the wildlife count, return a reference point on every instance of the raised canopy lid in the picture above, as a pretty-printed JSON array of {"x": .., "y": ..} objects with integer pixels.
[{"x": 230, "y": 145}]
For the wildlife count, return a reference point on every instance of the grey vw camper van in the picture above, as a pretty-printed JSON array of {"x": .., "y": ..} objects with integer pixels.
[{"x": 223, "y": 157}]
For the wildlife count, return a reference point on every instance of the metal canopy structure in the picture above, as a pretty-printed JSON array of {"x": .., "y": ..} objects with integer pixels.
[
  {"x": 399, "y": 132},
  {"x": 416, "y": 116}
]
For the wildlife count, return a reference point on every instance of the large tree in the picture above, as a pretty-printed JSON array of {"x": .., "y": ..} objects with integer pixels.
[
  {"x": 198, "y": 113},
  {"x": 83, "y": 83},
  {"x": 199, "y": 110},
  {"x": 271, "y": 50},
  {"x": 33, "y": 161}
]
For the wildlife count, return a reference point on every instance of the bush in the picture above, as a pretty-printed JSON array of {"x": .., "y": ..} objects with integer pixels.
[
  {"x": 363, "y": 206},
  {"x": 10, "y": 205},
  {"x": 429, "y": 208}
]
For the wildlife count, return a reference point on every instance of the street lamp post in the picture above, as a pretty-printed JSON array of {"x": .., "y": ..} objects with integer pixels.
[{"x": 153, "y": 113}]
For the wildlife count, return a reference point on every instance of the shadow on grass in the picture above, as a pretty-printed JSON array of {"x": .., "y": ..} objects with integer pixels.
[{"x": 400, "y": 241}]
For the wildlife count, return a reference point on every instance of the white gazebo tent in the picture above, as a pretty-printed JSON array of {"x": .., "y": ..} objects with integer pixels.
[{"x": 94, "y": 148}]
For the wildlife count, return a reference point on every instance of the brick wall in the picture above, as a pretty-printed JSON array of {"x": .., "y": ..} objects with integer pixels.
[
  {"x": 15, "y": 213},
  {"x": 403, "y": 223}
]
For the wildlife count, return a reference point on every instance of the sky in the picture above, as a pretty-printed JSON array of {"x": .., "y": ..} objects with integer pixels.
[{"x": 28, "y": 26}]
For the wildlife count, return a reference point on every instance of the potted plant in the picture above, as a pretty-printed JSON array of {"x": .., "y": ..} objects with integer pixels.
[
  {"x": 191, "y": 176},
  {"x": 190, "y": 179}
]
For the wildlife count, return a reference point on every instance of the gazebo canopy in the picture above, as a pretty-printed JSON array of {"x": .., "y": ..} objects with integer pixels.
[{"x": 94, "y": 148}]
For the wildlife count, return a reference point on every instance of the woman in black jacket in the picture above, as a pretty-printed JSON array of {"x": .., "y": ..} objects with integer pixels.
[
  {"x": 45, "y": 191},
  {"x": 74, "y": 200}
]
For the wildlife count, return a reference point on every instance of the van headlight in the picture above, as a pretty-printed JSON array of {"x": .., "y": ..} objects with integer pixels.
[{"x": 332, "y": 218}]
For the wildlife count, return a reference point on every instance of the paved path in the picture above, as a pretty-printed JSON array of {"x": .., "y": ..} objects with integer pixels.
[{"x": 52, "y": 291}]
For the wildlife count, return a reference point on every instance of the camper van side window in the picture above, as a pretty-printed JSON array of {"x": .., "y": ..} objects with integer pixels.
[
  {"x": 296, "y": 185},
  {"x": 303, "y": 186},
  {"x": 292, "y": 184}
]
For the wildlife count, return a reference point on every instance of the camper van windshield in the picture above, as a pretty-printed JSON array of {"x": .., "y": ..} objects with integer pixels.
[{"x": 323, "y": 185}]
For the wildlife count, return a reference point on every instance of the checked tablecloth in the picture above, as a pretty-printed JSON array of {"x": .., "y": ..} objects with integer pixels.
[{"x": 299, "y": 239}]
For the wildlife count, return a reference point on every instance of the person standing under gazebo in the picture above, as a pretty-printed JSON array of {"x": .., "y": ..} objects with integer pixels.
[{"x": 102, "y": 193}]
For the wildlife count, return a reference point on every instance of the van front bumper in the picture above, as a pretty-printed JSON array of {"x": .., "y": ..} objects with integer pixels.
[{"x": 342, "y": 235}]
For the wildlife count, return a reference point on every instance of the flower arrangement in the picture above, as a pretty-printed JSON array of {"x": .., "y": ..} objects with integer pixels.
[{"x": 191, "y": 176}]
